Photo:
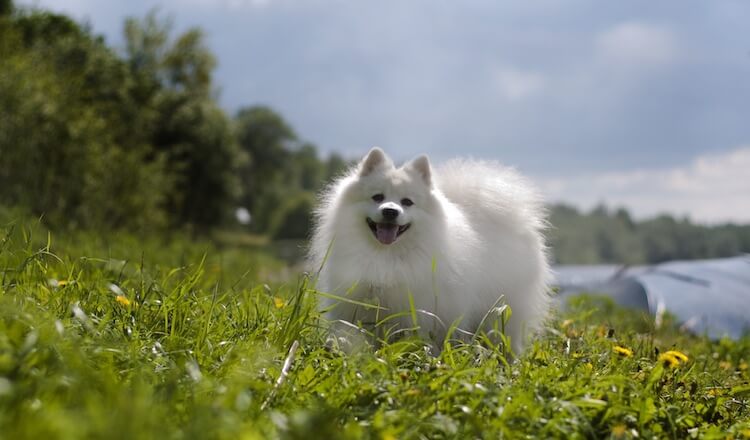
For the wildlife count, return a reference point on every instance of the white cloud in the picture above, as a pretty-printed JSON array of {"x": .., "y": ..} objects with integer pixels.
[
  {"x": 712, "y": 188},
  {"x": 637, "y": 45},
  {"x": 515, "y": 85}
]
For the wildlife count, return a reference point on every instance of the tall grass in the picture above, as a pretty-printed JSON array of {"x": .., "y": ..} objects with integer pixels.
[{"x": 118, "y": 337}]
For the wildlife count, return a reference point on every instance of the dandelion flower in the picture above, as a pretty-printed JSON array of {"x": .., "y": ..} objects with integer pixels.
[
  {"x": 673, "y": 358},
  {"x": 679, "y": 355},
  {"x": 669, "y": 360},
  {"x": 52, "y": 282},
  {"x": 622, "y": 351},
  {"x": 122, "y": 300},
  {"x": 278, "y": 302}
]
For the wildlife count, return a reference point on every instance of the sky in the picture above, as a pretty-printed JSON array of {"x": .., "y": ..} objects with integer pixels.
[{"x": 640, "y": 104}]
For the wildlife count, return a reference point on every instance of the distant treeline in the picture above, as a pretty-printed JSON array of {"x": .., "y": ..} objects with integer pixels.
[
  {"x": 612, "y": 236},
  {"x": 133, "y": 138}
]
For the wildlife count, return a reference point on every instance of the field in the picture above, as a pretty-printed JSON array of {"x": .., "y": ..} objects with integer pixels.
[{"x": 120, "y": 336}]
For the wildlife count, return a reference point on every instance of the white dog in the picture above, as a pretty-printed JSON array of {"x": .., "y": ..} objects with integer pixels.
[{"x": 453, "y": 243}]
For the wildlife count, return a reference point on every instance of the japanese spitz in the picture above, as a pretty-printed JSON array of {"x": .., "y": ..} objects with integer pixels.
[{"x": 447, "y": 245}]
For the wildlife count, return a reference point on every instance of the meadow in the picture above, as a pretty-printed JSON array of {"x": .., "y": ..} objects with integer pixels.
[{"x": 137, "y": 337}]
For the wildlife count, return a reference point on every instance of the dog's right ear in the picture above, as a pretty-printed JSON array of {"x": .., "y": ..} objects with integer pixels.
[
  {"x": 374, "y": 160},
  {"x": 421, "y": 166}
]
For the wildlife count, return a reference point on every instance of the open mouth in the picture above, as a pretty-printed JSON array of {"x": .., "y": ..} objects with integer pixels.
[{"x": 387, "y": 233}]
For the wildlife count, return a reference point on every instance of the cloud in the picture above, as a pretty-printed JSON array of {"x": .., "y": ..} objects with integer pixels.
[
  {"x": 637, "y": 45},
  {"x": 514, "y": 84},
  {"x": 711, "y": 189},
  {"x": 636, "y": 85},
  {"x": 232, "y": 4}
]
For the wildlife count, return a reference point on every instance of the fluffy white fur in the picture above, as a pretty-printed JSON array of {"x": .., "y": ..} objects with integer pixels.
[{"x": 479, "y": 223}]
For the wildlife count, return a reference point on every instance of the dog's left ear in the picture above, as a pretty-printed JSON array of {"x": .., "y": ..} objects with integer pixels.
[{"x": 421, "y": 167}]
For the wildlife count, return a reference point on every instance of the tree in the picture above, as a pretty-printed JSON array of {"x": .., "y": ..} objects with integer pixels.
[
  {"x": 606, "y": 236},
  {"x": 187, "y": 128},
  {"x": 6, "y": 7},
  {"x": 93, "y": 138},
  {"x": 266, "y": 139},
  {"x": 335, "y": 165},
  {"x": 307, "y": 167},
  {"x": 293, "y": 220},
  {"x": 65, "y": 138}
]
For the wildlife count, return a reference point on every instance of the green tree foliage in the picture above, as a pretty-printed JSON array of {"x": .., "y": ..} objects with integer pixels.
[
  {"x": 602, "y": 236},
  {"x": 92, "y": 137},
  {"x": 64, "y": 128},
  {"x": 306, "y": 167},
  {"x": 6, "y": 7},
  {"x": 282, "y": 173},
  {"x": 188, "y": 128},
  {"x": 335, "y": 165},
  {"x": 292, "y": 220},
  {"x": 267, "y": 140}
]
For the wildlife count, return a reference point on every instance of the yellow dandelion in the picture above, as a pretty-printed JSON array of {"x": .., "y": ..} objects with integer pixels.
[
  {"x": 724, "y": 365},
  {"x": 588, "y": 366},
  {"x": 53, "y": 282},
  {"x": 668, "y": 360},
  {"x": 622, "y": 351},
  {"x": 679, "y": 355},
  {"x": 742, "y": 366},
  {"x": 278, "y": 302},
  {"x": 122, "y": 300},
  {"x": 672, "y": 358}
]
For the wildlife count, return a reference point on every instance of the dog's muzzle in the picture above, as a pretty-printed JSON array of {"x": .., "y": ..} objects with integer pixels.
[{"x": 387, "y": 232}]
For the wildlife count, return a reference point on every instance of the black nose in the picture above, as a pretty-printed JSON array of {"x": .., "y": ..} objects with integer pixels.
[{"x": 390, "y": 213}]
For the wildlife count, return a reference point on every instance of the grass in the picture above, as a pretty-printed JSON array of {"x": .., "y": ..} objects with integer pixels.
[{"x": 171, "y": 339}]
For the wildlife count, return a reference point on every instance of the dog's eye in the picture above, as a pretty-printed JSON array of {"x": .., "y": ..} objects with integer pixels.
[
  {"x": 378, "y": 197},
  {"x": 406, "y": 202}
]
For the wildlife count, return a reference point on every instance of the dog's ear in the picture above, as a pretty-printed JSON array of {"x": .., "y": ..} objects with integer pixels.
[
  {"x": 375, "y": 159},
  {"x": 421, "y": 166}
]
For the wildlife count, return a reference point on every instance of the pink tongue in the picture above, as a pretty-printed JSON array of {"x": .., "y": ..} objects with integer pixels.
[{"x": 386, "y": 233}]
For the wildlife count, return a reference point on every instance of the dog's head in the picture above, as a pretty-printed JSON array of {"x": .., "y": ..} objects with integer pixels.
[{"x": 392, "y": 201}]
